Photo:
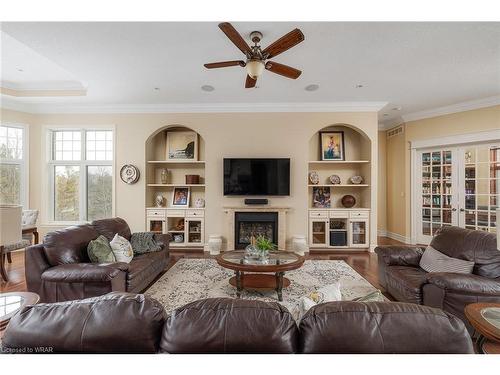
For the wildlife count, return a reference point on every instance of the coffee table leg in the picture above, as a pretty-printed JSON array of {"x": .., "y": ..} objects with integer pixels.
[
  {"x": 238, "y": 283},
  {"x": 479, "y": 343},
  {"x": 279, "y": 285}
]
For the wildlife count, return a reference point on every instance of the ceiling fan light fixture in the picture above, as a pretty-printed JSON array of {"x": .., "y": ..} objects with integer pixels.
[{"x": 255, "y": 67}]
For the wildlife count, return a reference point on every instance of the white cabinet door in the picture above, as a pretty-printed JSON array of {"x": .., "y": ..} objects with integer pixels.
[{"x": 318, "y": 232}]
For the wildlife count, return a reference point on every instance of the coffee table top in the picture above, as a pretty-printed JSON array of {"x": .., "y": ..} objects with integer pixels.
[
  {"x": 12, "y": 303},
  {"x": 485, "y": 318},
  {"x": 279, "y": 261}
]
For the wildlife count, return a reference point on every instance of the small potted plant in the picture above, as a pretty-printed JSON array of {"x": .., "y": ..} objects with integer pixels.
[{"x": 264, "y": 246}]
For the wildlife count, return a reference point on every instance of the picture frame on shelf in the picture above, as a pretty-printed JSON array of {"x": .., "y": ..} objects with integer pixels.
[
  {"x": 180, "y": 196},
  {"x": 321, "y": 197},
  {"x": 332, "y": 145},
  {"x": 182, "y": 146}
]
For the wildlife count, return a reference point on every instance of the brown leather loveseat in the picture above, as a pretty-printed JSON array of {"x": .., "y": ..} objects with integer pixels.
[
  {"x": 134, "y": 323},
  {"x": 401, "y": 275},
  {"x": 59, "y": 269}
]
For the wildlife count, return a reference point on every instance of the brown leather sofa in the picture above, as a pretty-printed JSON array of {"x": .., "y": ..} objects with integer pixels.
[
  {"x": 59, "y": 269},
  {"x": 223, "y": 325},
  {"x": 402, "y": 277}
]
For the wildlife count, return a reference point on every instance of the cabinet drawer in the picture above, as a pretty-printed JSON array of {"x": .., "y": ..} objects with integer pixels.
[
  {"x": 175, "y": 213},
  {"x": 155, "y": 213},
  {"x": 339, "y": 214},
  {"x": 315, "y": 214},
  {"x": 355, "y": 214},
  {"x": 195, "y": 213}
]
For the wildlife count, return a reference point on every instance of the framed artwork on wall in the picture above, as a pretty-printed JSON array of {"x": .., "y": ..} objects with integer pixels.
[
  {"x": 180, "y": 197},
  {"x": 332, "y": 145},
  {"x": 182, "y": 145},
  {"x": 321, "y": 197}
]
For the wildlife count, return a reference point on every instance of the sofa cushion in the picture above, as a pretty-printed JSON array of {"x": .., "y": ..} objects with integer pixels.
[
  {"x": 226, "y": 325},
  {"x": 435, "y": 261},
  {"x": 143, "y": 269},
  {"x": 110, "y": 227},
  {"x": 405, "y": 283},
  {"x": 473, "y": 245},
  {"x": 69, "y": 245},
  {"x": 99, "y": 251},
  {"x": 381, "y": 328}
]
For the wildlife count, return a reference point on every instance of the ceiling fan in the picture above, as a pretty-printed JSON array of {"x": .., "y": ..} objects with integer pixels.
[{"x": 256, "y": 56}]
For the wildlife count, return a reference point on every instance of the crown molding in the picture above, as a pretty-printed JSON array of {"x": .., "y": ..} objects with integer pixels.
[
  {"x": 193, "y": 108},
  {"x": 389, "y": 124},
  {"x": 454, "y": 108}
]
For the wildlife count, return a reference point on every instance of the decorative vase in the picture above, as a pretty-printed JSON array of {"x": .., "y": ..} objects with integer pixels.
[
  {"x": 164, "y": 176},
  {"x": 251, "y": 253},
  {"x": 159, "y": 199},
  {"x": 214, "y": 244},
  {"x": 299, "y": 245},
  {"x": 263, "y": 256},
  {"x": 348, "y": 201}
]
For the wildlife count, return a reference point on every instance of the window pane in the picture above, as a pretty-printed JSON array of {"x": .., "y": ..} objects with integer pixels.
[
  {"x": 67, "y": 145},
  {"x": 66, "y": 197},
  {"x": 10, "y": 184},
  {"x": 99, "y": 145},
  {"x": 11, "y": 143},
  {"x": 99, "y": 192}
]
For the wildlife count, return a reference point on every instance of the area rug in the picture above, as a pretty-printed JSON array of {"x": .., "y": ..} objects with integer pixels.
[{"x": 193, "y": 279}]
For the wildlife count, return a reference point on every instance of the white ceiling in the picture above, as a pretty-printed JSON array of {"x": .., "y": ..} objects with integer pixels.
[{"x": 415, "y": 66}]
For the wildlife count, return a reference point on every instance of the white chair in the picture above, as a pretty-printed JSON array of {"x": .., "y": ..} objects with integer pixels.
[{"x": 10, "y": 234}]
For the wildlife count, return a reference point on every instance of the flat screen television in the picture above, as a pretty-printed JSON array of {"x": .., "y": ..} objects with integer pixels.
[{"x": 257, "y": 176}]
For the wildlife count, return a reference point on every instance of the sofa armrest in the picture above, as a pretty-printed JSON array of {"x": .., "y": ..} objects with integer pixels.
[
  {"x": 163, "y": 240},
  {"x": 81, "y": 273},
  {"x": 400, "y": 255},
  {"x": 465, "y": 283}
]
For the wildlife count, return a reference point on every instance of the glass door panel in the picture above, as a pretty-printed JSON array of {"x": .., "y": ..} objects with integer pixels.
[
  {"x": 319, "y": 232},
  {"x": 194, "y": 231},
  {"x": 359, "y": 233}
]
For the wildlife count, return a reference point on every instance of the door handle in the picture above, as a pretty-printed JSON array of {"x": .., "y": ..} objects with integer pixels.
[
  {"x": 462, "y": 210},
  {"x": 453, "y": 209}
]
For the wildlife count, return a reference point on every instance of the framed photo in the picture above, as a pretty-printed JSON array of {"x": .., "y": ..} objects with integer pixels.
[
  {"x": 180, "y": 197},
  {"x": 332, "y": 145},
  {"x": 321, "y": 197},
  {"x": 182, "y": 145}
]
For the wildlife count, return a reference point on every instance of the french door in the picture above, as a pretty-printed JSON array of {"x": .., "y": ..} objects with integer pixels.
[{"x": 456, "y": 186}]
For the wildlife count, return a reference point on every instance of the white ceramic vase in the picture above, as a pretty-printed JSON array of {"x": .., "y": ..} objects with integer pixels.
[
  {"x": 214, "y": 244},
  {"x": 299, "y": 245}
]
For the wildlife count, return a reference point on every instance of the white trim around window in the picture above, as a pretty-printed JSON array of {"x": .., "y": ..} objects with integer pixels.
[
  {"x": 48, "y": 155},
  {"x": 23, "y": 163}
]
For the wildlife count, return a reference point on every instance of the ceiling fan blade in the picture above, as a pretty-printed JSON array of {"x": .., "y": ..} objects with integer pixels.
[
  {"x": 223, "y": 64},
  {"x": 284, "y": 43},
  {"x": 250, "y": 82},
  {"x": 283, "y": 70},
  {"x": 235, "y": 37}
]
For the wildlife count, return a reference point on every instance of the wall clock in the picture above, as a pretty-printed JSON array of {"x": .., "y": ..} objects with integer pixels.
[{"x": 129, "y": 174}]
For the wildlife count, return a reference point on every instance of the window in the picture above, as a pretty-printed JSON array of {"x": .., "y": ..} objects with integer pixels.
[
  {"x": 13, "y": 187},
  {"x": 81, "y": 169}
]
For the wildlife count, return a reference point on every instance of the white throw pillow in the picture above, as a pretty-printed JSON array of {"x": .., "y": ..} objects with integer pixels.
[
  {"x": 327, "y": 293},
  {"x": 435, "y": 261},
  {"x": 122, "y": 249}
]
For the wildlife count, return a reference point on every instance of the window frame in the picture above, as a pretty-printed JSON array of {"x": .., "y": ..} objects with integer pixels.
[
  {"x": 83, "y": 164},
  {"x": 23, "y": 163}
]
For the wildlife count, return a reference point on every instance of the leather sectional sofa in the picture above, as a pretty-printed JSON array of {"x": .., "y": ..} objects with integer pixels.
[
  {"x": 222, "y": 325},
  {"x": 59, "y": 269},
  {"x": 402, "y": 277}
]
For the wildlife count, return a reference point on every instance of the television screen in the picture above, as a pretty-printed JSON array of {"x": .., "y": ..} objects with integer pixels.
[{"x": 256, "y": 176}]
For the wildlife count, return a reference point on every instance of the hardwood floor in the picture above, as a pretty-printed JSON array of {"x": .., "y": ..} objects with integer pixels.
[{"x": 363, "y": 262}]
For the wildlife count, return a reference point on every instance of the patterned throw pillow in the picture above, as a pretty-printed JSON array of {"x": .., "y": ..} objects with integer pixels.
[
  {"x": 121, "y": 248},
  {"x": 435, "y": 261},
  {"x": 99, "y": 251}
]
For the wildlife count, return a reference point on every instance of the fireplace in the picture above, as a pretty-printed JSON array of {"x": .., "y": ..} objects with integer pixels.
[{"x": 248, "y": 224}]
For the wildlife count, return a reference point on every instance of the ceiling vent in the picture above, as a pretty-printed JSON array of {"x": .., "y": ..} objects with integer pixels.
[{"x": 395, "y": 131}]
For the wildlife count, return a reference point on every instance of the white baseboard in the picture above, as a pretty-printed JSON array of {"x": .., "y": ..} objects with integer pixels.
[{"x": 394, "y": 236}]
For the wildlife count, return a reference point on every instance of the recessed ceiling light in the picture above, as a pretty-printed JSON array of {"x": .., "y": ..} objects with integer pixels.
[
  {"x": 386, "y": 114},
  {"x": 157, "y": 89},
  {"x": 359, "y": 85},
  {"x": 398, "y": 108},
  {"x": 207, "y": 88},
  {"x": 312, "y": 87},
  {"x": 20, "y": 70}
]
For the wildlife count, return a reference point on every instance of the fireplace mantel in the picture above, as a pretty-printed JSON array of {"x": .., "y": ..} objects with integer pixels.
[{"x": 281, "y": 210}]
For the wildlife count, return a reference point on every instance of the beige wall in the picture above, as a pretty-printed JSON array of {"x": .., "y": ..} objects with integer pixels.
[
  {"x": 398, "y": 157},
  {"x": 382, "y": 182},
  {"x": 225, "y": 135}
]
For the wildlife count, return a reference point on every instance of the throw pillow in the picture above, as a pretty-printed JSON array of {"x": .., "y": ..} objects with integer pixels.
[
  {"x": 375, "y": 296},
  {"x": 327, "y": 293},
  {"x": 121, "y": 248},
  {"x": 435, "y": 261},
  {"x": 99, "y": 251},
  {"x": 144, "y": 242}
]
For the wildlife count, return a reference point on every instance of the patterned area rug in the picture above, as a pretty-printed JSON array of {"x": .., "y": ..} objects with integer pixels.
[{"x": 192, "y": 279}]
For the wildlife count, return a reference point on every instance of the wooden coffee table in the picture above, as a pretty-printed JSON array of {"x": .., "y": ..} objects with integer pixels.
[
  {"x": 267, "y": 276},
  {"x": 485, "y": 318},
  {"x": 12, "y": 303}
]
